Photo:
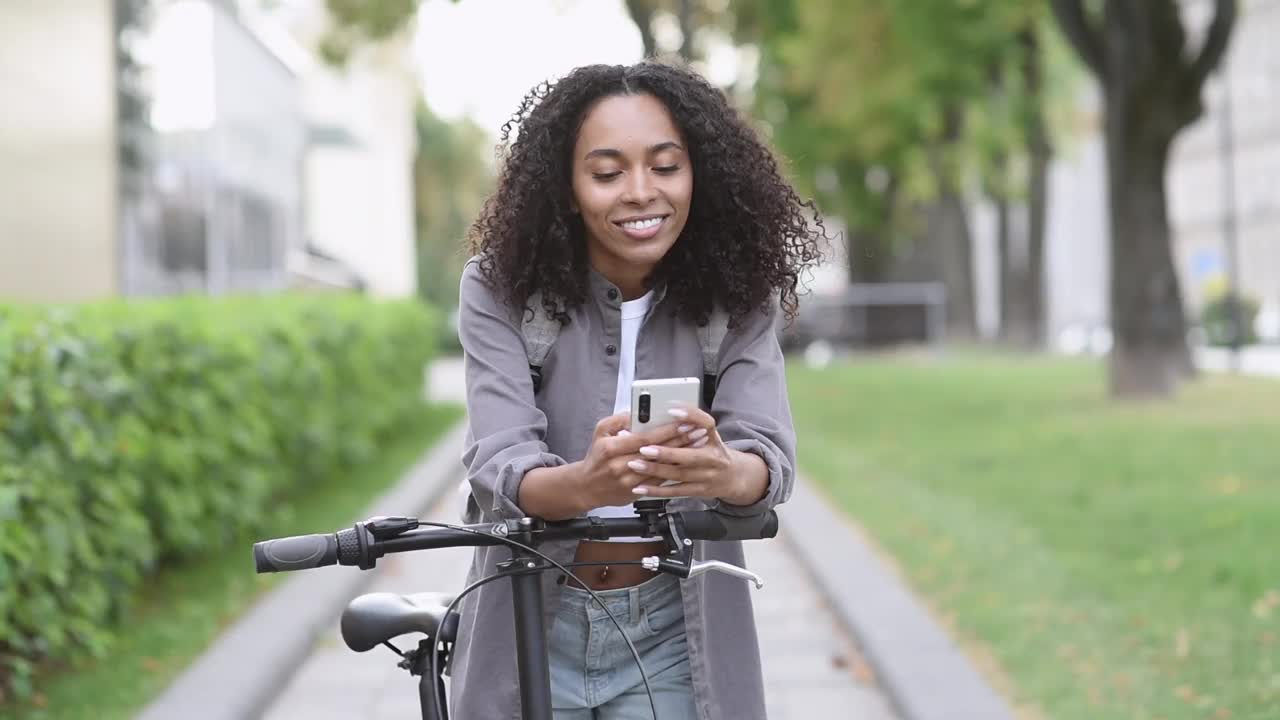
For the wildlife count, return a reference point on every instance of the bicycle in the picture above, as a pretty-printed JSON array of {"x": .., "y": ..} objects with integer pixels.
[{"x": 375, "y": 619}]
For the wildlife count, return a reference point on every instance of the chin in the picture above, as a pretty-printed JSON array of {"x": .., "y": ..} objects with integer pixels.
[{"x": 648, "y": 253}]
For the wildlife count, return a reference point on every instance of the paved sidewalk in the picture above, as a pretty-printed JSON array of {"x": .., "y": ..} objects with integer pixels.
[{"x": 811, "y": 668}]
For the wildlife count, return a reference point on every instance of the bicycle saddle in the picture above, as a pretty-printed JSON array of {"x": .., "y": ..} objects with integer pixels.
[{"x": 375, "y": 618}]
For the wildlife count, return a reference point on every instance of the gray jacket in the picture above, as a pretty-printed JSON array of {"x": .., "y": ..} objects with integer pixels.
[{"x": 511, "y": 431}]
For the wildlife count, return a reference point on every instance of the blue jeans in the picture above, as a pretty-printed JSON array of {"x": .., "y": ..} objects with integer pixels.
[{"x": 593, "y": 674}]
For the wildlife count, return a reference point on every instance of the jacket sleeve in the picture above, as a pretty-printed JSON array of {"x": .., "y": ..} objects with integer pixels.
[
  {"x": 506, "y": 432},
  {"x": 751, "y": 408}
]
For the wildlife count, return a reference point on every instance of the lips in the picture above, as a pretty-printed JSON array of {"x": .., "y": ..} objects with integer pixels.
[{"x": 642, "y": 228}]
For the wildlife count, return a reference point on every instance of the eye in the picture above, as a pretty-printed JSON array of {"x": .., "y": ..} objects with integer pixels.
[
  {"x": 606, "y": 177},
  {"x": 666, "y": 169}
]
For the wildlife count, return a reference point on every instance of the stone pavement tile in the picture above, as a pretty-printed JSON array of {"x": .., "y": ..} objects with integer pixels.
[
  {"x": 819, "y": 703},
  {"x": 811, "y": 667},
  {"x": 383, "y": 690}
]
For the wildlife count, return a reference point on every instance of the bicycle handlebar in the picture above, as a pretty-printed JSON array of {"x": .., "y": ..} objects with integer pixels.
[
  {"x": 361, "y": 546},
  {"x": 709, "y": 525}
]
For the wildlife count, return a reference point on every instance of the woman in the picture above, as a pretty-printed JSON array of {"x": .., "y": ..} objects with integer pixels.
[{"x": 633, "y": 203}]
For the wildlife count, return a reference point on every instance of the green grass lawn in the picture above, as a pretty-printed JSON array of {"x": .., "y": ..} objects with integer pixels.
[
  {"x": 183, "y": 609},
  {"x": 1119, "y": 561}
]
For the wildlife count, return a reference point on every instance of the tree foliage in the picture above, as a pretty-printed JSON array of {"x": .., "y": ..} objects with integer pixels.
[
  {"x": 859, "y": 89},
  {"x": 889, "y": 111},
  {"x": 356, "y": 23},
  {"x": 452, "y": 175}
]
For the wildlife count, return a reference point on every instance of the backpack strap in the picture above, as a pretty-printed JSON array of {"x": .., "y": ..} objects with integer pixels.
[
  {"x": 710, "y": 336},
  {"x": 540, "y": 332}
]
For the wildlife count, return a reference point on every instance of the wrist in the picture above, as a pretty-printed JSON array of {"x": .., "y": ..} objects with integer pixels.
[
  {"x": 580, "y": 489},
  {"x": 750, "y": 479}
]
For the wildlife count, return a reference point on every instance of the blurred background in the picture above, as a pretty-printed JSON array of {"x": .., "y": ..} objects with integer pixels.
[{"x": 1051, "y": 305}]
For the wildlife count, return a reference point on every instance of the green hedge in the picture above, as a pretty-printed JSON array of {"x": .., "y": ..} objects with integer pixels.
[{"x": 134, "y": 434}]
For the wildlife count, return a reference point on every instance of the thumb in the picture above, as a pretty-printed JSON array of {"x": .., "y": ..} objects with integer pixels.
[{"x": 612, "y": 424}]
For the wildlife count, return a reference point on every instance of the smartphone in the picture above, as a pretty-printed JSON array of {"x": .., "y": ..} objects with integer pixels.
[{"x": 650, "y": 400}]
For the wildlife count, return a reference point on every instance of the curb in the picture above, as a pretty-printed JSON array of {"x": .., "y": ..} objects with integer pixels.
[
  {"x": 252, "y": 660},
  {"x": 924, "y": 673}
]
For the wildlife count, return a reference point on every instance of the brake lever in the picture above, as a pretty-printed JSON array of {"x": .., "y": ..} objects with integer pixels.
[{"x": 655, "y": 564}]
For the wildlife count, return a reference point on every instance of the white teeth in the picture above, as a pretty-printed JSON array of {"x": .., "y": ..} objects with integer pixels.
[{"x": 642, "y": 224}]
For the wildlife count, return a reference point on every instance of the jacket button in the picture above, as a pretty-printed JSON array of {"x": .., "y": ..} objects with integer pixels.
[
  {"x": 613, "y": 294},
  {"x": 611, "y": 350}
]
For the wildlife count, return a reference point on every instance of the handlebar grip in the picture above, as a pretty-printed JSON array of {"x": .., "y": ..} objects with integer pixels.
[
  {"x": 711, "y": 525},
  {"x": 296, "y": 553}
]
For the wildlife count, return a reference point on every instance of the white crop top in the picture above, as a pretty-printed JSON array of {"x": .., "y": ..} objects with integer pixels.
[{"x": 633, "y": 314}]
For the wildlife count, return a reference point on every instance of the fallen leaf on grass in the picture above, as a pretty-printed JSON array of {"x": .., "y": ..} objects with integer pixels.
[
  {"x": 1266, "y": 604},
  {"x": 1227, "y": 485},
  {"x": 1182, "y": 643}
]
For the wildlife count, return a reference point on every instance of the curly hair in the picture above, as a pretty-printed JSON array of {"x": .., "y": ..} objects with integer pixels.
[{"x": 749, "y": 235}]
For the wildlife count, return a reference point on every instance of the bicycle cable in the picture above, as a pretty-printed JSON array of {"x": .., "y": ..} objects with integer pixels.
[{"x": 435, "y": 689}]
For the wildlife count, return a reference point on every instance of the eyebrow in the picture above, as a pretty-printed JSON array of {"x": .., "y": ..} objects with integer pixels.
[{"x": 614, "y": 153}]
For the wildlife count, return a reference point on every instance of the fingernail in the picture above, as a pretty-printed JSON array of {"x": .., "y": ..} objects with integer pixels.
[
  {"x": 700, "y": 432},
  {"x": 700, "y": 443},
  {"x": 649, "y": 451},
  {"x": 685, "y": 428},
  {"x": 637, "y": 465},
  {"x": 640, "y": 490},
  {"x": 623, "y": 433},
  {"x": 677, "y": 412}
]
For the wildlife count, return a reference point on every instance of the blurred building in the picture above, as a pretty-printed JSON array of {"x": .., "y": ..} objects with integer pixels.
[
  {"x": 195, "y": 146},
  {"x": 1249, "y": 131},
  {"x": 230, "y": 138},
  {"x": 359, "y": 205},
  {"x": 62, "y": 180},
  {"x": 1076, "y": 242}
]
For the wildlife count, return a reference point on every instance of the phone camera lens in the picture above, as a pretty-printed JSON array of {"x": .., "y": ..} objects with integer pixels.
[{"x": 644, "y": 408}]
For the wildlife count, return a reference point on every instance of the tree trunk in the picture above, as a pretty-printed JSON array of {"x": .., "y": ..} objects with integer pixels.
[
  {"x": 1040, "y": 153},
  {"x": 870, "y": 250},
  {"x": 685, "y": 17},
  {"x": 949, "y": 232},
  {"x": 641, "y": 12},
  {"x": 869, "y": 256},
  {"x": 1008, "y": 283},
  {"x": 1152, "y": 89},
  {"x": 1037, "y": 204},
  {"x": 1149, "y": 354}
]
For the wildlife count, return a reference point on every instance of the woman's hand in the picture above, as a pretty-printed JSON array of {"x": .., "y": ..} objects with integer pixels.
[
  {"x": 606, "y": 476},
  {"x": 706, "y": 468}
]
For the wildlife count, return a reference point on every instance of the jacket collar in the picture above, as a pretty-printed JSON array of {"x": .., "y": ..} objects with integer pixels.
[{"x": 599, "y": 287}]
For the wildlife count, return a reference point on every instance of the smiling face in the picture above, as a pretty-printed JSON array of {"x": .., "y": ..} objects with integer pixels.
[{"x": 632, "y": 184}]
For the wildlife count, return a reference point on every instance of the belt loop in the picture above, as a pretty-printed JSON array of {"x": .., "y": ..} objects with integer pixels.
[{"x": 633, "y": 596}]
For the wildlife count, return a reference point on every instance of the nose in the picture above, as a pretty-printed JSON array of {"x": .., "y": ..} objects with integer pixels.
[{"x": 639, "y": 189}]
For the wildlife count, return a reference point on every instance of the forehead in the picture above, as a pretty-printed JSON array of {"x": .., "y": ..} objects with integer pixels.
[{"x": 626, "y": 122}]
